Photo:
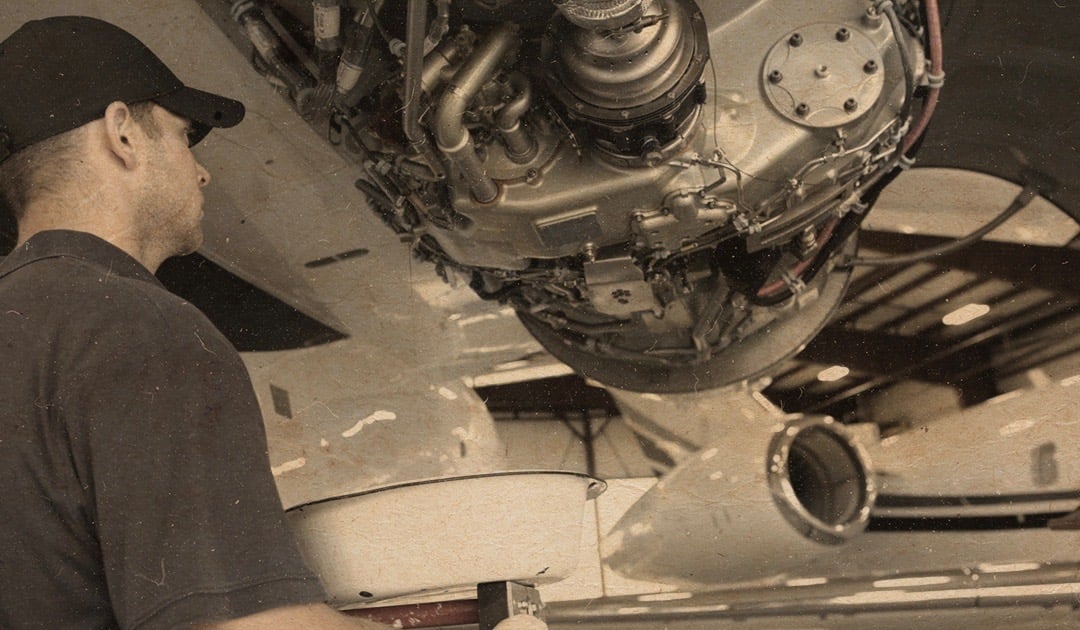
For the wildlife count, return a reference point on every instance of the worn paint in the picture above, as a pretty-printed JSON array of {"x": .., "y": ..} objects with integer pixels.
[
  {"x": 288, "y": 466},
  {"x": 378, "y": 416}
]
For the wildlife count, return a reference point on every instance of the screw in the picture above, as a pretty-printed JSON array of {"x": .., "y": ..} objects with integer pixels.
[
  {"x": 843, "y": 35},
  {"x": 801, "y": 110},
  {"x": 795, "y": 40},
  {"x": 851, "y": 105},
  {"x": 776, "y": 76}
]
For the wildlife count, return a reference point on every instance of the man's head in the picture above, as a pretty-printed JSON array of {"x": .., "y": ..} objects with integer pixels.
[{"x": 60, "y": 74}]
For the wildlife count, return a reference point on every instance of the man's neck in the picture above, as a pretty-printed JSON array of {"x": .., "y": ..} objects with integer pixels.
[{"x": 117, "y": 235}]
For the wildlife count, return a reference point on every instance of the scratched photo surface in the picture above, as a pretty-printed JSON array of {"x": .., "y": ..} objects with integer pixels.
[{"x": 455, "y": 350}]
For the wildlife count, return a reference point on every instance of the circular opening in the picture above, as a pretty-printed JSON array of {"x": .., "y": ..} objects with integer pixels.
[
  {"x": 826, "y": 476},
  {"x": 820, "y": 480}
]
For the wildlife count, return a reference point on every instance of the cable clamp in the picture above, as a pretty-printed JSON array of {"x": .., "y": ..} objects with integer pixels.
[
  {"x": 882, "y": 5},
  {"x": 935, "y": 81},
  {"x": 853, "y": 203},
  {"x": 744, "y": 225},
  {"x": 795, "y": 284}
]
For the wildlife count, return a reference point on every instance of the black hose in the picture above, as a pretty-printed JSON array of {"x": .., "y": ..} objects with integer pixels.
[{"x": 1019, "y": 203}]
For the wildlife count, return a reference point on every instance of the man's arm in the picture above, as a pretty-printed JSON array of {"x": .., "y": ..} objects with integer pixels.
[{"x": 291, "y": 617}]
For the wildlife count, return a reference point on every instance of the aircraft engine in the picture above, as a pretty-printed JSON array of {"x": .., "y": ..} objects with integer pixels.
[
  {"x": 663, "y": 190},
  {"x": 758, "y": 503}
]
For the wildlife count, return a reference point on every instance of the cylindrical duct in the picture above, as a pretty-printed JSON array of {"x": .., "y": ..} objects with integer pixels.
[{"x": 758, "y": 502}]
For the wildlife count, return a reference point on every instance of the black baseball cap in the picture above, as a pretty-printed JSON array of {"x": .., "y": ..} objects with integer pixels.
[{"x": 60, "y": 73}]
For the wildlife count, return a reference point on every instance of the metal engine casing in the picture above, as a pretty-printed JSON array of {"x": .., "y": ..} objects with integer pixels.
[{"x": 646, "y": 182}]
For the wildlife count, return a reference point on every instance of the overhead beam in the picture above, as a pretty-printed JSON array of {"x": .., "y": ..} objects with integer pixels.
[
  {"x": 892, "y": 358},
  {"x": 884, "y": 354},
  {"x": 1055, "y": 269},
  {"x": 560, "y": 396}
]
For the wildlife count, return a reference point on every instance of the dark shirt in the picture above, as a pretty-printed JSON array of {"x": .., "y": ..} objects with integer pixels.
[{"x": 134, "y": 475}]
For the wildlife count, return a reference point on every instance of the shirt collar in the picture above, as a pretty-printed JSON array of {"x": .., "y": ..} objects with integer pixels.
[{"x": 79, "y": 245}]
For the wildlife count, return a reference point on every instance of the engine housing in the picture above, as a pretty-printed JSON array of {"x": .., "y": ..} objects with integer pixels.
[{"x": 662, "y": 189}]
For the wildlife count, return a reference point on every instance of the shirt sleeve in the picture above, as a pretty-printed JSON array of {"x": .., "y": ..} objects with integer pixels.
[{"x": 172, "y": 450}]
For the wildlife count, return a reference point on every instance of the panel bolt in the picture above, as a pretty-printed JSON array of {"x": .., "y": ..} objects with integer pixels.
[
  {"x": 795, "y": 40},
  {"x": 776, "y": 76},
  {"x": 870, "y": 67},
  {"x": 851, "y": 105},
  {"x": 802, "y": 109},
  {"x": 843, "y": 35}
]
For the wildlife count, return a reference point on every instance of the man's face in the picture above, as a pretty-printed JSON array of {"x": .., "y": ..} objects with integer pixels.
[{"x": 172, "y": 199}]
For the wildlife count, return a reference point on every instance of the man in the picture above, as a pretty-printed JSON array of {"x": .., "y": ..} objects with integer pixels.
[{"x": 136, "y": 488}]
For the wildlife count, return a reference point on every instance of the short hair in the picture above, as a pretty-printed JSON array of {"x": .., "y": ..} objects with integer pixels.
[{"x": 42, "y": 168}]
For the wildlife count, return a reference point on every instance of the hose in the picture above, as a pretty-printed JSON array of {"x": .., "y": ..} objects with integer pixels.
[
  {"x": 1021, "y": 201},
  {"x": 936, "y": 75}
]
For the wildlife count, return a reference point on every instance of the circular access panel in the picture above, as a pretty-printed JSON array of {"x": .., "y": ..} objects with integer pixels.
[{"x": 823, "y": 75}]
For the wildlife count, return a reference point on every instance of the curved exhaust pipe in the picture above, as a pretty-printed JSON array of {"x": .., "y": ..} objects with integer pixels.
[
  {"x": 451, "y": 136},
  {"x": 760, "y": 501}
]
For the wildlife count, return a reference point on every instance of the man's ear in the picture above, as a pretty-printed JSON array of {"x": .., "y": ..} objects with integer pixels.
[{"x": 120, "y": 130}]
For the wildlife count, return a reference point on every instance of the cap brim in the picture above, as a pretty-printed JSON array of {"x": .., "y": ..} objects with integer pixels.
[{"x": 203, "y": 109}]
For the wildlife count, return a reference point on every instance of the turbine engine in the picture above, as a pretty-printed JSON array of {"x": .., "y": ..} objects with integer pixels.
[{"x": 664, "y": 190}]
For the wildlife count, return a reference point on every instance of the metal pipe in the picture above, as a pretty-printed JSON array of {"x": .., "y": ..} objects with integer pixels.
[
  {"x": 415, "y": 32},
  {"x": 451, "y": 136},
  {"x": 520, "y": 146},
  {"x": 327, "y": 29},
  {"x": 446, "y": 55},
  {"x": 270, "y": 49}
]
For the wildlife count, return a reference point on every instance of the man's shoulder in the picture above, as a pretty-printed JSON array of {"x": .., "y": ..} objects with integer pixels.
[
  {"x": 86, "y": 296},
  {"x": 88, "y": 283}
]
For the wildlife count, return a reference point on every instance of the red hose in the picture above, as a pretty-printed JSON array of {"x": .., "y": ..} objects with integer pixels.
[
  {"x": 796, "y": 271},
  {"x": 933, "y": 26}
]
